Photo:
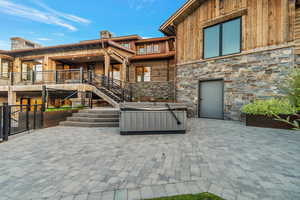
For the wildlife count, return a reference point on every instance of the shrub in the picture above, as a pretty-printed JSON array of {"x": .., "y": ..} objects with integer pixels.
[
  {"x": 291, "y": 87},
  {"x": 270, "y": 107}
]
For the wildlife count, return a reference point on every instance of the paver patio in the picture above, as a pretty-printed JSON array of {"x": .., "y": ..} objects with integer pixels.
[{"x": 222, "y": 157}]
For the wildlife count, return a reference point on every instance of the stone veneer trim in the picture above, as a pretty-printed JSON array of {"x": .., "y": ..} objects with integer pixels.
[{"x": 246, "y": 77}]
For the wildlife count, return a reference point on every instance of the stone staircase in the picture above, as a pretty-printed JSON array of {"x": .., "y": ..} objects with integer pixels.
[{"x": 94, "y": 118}]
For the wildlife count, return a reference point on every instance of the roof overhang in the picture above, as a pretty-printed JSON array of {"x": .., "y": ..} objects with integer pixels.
[
  {"x": 103, "y": 43},
  {"x": 4, "y": 56},
  {"x": 168, "y": 27}
]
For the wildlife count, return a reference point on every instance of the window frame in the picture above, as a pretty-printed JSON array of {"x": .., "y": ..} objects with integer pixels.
[
  {"x": 143, "y": 75},
  {"x": 126, "y": 45},
  {"x": 148, "y": 46},
  {"x": 9, "y": 66},
  {"x": 221, "y": 38},
  {"x": 141, "y": 47}
]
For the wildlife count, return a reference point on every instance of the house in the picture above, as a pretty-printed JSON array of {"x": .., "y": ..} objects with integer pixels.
[
  {"x": 111, "y": 69},
  {"x": 230, "y": 52}
]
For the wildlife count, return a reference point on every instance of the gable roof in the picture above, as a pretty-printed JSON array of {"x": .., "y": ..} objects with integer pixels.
[{"x": 168, "y": 26}]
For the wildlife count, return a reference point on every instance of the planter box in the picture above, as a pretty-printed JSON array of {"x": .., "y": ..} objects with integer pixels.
[
  {"x": 53, "y": 118},
  {"x": 268, "y": 122}
]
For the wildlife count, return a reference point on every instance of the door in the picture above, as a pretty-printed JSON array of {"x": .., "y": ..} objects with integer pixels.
[{"x": 211, "y": 99}]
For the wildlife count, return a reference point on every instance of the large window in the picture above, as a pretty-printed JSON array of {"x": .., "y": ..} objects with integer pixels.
[
  {"x": 126, "y": 45},
  {"x": 150, "y": 48},
  {"x": 5, "y": 65},
  {"x": 143, "y": 74},
  {"x": 32, "y": 65},
  {"x": 222, "y": 39}
]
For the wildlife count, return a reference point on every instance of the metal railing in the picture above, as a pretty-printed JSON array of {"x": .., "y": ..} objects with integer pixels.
[
  {"x": 15, "y": 119},
  {"x": 118, "y": 88},
  {"x": 70, "y": 76}
]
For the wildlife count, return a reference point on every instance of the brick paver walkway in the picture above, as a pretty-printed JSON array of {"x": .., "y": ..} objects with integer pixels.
[{"x": 222, "y": 157}]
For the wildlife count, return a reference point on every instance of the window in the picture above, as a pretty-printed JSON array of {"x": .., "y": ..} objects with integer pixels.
[
  {"x": 148, "y": 49},
  {"x": 33, "y": 65},
  {"x": 156, "y": 48},
  {"x": 25, "y": 72},
  {"x": 143, "y": 74},
  {"x": 126, "y": 45},
  {"x": 4, "y": 67},
  {"x": 141, "y": 50},
  {"x": 222, "y": 39}
]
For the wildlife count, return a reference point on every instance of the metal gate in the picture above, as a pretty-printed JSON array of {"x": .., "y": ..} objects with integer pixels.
[
  {"x": 211, "y": 99},
  {"x": 15, "y": 119}
]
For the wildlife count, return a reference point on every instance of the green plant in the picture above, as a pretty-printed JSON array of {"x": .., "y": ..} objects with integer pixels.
[
  {"x": 269, "y": 107},
  {"x": 291, "y": 87},
  {"x": 295, "y": 123}
]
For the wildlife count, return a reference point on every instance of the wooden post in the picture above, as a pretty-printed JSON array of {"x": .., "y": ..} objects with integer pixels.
[
  {"x": 11, "y": 78},
  {"x": 124, "y": 71},
  {"x": 32, "y": 77},
  {"x": 106, "y": 64},
  {"x": 81, "y": 75}
]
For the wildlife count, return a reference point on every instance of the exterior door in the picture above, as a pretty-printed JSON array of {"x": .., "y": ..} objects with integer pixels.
[{"x": 211, "y": 99}]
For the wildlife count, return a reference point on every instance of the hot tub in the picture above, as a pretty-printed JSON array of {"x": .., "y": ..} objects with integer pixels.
[{"x": 152, "y": 118}]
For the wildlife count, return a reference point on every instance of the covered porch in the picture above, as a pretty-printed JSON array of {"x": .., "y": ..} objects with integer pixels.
[{"x": 70, "y": 68}]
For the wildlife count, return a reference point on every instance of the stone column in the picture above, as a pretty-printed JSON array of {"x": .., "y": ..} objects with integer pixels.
[
  {"x": 17, "y": 65},
  {"x": 12, "y": 97}
]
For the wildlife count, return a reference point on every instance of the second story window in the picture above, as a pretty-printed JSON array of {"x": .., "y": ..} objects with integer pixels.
[
  {"x": 141, "y": 49},
  {"x": 143, "y": 74},
  {"x": 222, "y": 39},
  {"x": 126, "y": 45},
  {"x": 4, "y": 67},
  {"x": 156, "y": 48},
  {"x": 149, "y": 48}
]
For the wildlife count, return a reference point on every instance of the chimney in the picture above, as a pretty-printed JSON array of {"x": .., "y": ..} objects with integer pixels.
[
  {"x": 105, "y": 35},
  {"x": 20, "y": 43}
]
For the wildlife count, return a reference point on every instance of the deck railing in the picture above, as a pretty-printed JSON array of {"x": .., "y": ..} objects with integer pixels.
[
  {"x": 47, "y": 77},
  {"x": 117, "y": 88}
]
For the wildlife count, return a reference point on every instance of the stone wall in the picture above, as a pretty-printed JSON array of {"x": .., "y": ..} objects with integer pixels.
[
  {"x": 246, "y": 77},
  {"x": 153, "y": 91}
]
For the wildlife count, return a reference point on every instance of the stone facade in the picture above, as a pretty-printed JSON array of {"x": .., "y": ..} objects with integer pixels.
[
  {"x": 153, "y": 91},
  {"x": 246, "y": 77}
]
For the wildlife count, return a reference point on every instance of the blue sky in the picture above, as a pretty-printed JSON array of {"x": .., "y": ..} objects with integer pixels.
[{"x": 52, "y": 22}]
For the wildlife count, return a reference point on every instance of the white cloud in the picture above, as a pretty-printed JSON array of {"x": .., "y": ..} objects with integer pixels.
[
  {"x": 66, "y": 16},
  {"x": 46, "y": 15},
  {"x": 44, "y": 39},
  {"x": 140, "y": 4}
]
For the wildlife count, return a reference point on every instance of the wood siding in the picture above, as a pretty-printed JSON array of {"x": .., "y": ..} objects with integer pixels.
[
  {"x": 297, "y": 31},
  {"x": 264, "y": 23}
]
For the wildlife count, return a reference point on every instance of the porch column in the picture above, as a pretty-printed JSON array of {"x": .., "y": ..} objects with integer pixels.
[
  {"x": 106, "y": 64},
  {"x": 12, "y": 97},
  {"x": 124, "y": 71},
  {"x": 17, "y": 65}
]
